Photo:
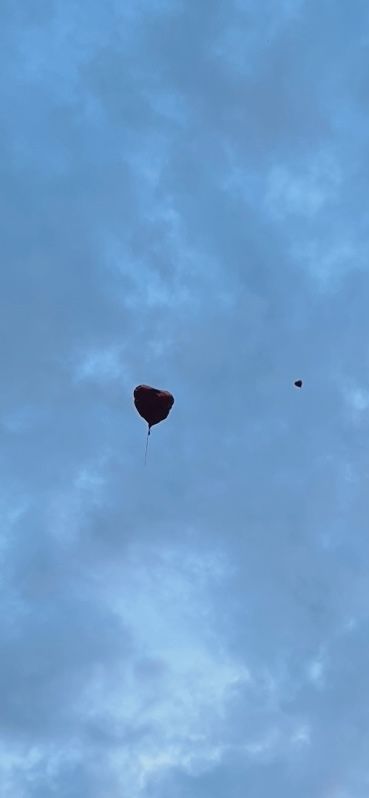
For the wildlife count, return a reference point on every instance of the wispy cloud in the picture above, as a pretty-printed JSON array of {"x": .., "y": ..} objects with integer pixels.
[{"x": 184, "y": 204}]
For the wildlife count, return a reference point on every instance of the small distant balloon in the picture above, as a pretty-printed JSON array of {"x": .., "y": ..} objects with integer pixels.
[{"x": 298, "y": 383}]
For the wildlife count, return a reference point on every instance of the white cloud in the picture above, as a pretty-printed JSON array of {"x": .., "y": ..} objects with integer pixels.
[
  {"x": 170, "y": 210},
  {"x": 303, "y": 192},
  {"x": 100, "y": 365}
]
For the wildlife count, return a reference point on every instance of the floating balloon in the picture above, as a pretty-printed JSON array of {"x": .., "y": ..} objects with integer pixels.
[
  {"x": 298, "y": 383},
  {"x": 152, "y": 404}
]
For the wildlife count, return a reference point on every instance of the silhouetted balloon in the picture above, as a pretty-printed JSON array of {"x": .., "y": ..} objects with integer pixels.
[
  {"x": 152, "y": 404},
  {"x": 298, "y": 383}
]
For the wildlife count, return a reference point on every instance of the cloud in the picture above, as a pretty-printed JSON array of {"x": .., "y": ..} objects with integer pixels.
[
  {"x": 302, "y": 194},
  {"x": 184, "y": 204}
]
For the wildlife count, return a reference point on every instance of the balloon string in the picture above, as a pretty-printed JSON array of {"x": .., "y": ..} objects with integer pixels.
[{"x": 147, "y": 443}]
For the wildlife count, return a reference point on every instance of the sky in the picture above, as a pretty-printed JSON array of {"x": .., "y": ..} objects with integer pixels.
[{"x": 184, "y": 204}]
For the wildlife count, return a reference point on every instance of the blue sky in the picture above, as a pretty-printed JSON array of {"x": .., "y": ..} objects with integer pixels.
[{"x": 184, "y": 204}]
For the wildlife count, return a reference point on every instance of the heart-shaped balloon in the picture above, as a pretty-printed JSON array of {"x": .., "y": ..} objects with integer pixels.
[
  {"x": 298, "y": 383},
  {"x": 153, "y": 404}
]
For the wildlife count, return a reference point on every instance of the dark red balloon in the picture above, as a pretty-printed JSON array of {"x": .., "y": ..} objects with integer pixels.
[
  {"x": 152, "y": 404},
  {"x": 298, "y": 383}
]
